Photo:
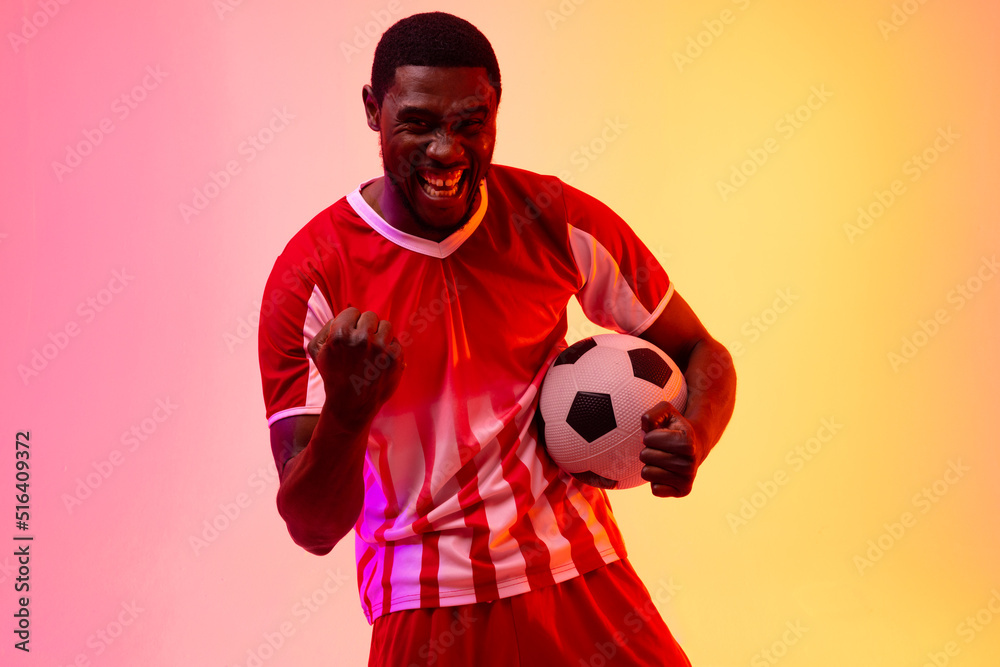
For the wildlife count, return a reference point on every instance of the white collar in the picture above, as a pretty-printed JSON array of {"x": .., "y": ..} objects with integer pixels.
[{"x": 423, "y": 246}]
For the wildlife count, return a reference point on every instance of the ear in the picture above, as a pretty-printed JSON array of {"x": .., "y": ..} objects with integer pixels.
[{"x": 373, "y": 112}]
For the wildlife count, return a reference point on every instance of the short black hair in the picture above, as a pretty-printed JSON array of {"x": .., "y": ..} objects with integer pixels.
[{"x": 432, "y": 39}]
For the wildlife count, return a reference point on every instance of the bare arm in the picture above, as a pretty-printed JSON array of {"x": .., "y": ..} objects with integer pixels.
[
  {"x": 677, "y": 444},
  {"x": 320, "y": 459},
  {"x": 321, "y": 490}
]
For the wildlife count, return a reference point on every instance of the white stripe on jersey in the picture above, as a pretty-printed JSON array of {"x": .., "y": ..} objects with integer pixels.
[
  {"x": 594, "y": 261},
  {"x": 407, "y": 469},
  {"x": 318, "y": 313}
]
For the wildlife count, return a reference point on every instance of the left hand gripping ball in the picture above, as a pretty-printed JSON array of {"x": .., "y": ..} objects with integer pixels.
[{"x": 592, "y": 401}]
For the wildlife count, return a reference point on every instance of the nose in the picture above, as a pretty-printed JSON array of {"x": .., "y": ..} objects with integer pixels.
[{"x": 444, "y": 147}]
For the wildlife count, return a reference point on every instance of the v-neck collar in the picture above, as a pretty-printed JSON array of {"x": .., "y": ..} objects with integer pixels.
[{"x": 439, "y": 249}]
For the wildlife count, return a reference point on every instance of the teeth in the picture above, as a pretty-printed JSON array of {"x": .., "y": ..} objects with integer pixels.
[{"x": 439, "y": 184}]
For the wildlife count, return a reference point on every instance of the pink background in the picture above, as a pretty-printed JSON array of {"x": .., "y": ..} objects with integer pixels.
[{"x": 125, "y": 304}]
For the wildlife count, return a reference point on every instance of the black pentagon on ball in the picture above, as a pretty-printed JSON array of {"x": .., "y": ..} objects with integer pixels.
[
  {"x": 574, "y": 352},
  {"x": 649, "y": 366},
  {"x": 540, "y": 425},
  {"x": 591, "y": 415}
]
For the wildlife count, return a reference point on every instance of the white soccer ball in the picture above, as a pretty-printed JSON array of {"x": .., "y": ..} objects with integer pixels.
[{"x": 592, "y": 401}]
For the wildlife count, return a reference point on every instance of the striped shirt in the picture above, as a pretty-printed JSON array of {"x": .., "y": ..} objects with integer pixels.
[{"x": 462, "y": 505}]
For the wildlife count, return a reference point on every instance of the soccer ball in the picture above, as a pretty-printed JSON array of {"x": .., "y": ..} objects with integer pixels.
[{"x": 592, "y": 401}]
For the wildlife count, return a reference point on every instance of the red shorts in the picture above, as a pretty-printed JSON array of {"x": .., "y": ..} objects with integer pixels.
[{"x": 599, "y": 619}]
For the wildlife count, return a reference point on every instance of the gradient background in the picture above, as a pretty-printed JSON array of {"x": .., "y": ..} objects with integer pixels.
[{"x": 182, "y": 330}]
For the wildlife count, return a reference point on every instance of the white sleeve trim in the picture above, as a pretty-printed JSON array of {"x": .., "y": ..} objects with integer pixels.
[
  {"x": 655, "y": 314},
  {"x": 318, "y": 313},
  {"x": 606, "y": 297},
  {"x": 291, "y": 412}
]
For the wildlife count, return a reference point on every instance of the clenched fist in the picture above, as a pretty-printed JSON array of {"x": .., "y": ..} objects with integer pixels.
[{"x": 361, "y": 363}]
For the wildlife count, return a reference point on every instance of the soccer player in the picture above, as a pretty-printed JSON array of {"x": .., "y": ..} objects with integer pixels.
[{"x": 404, "y": 335}]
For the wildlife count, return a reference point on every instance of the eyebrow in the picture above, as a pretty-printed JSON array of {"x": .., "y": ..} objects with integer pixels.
[
  {"x": 482, "y": 108},
  {"x": 421, "y": 111}
]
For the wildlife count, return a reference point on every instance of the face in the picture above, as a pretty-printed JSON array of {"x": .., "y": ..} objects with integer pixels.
[{"x": 437, "y": 129}]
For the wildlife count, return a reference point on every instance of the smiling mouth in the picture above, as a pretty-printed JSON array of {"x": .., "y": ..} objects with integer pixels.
[{"x": 441, "y": 184}]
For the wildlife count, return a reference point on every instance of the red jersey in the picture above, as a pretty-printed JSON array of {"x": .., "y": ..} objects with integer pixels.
[{"x": 462, "y": 505}]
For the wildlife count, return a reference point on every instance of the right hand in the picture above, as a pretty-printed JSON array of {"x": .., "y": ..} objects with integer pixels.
[{"x": 361, "y": 363}]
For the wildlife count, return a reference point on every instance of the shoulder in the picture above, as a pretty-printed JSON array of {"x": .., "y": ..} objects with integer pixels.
[
  {"x": 325, "y": 231},
  {"x": 524, "y": 195},
  {"x": 319, "y": 244},
  {"x": 505, "y": 181},
  {"x": 314, "y": 252},
  {"x": 540, "y": 189},
  {"x": 547, "y": 204}
]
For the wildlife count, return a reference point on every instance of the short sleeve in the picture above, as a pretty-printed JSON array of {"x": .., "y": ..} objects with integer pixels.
[
  {"x": 624, "y": 287},
  {"x": 293, "y": 310}
]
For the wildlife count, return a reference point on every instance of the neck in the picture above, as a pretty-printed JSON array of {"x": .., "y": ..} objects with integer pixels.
[{"x": 385, "y": 200}]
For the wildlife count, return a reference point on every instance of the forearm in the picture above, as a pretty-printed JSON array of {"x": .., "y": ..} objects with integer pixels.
[
  {"x": 711, "y": 381},
  {"x": 322, "y": 487}
]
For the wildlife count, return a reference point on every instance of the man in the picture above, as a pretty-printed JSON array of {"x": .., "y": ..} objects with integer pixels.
[{"x": 404, "y": 336}]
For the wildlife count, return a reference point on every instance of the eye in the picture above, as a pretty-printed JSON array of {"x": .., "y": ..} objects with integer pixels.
[
  {"x": 418, "y": 124},
  {"x": 473, "y": 124}
]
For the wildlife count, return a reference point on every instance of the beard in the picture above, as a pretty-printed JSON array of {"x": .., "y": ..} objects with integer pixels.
[{"x": 399, "y": 191}]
